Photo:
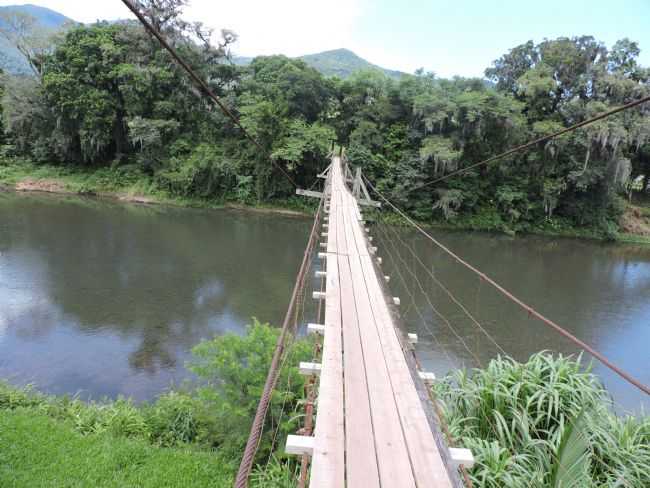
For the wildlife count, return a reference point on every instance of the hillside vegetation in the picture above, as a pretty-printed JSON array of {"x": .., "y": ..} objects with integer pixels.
[
  {"x": 341, "y": 63},
  {"x": 40, "y": 22},
  {"x": 106, "y": 96}
]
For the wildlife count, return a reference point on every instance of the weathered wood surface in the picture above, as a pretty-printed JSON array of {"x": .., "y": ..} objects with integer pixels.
[{"x": 371, "y": 426}]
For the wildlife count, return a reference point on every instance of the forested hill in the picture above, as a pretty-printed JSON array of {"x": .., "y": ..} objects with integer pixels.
[
  {"x": 344, "y": 63},
  {"x": 107, "y": 99},
  {"x": 45, "y": 17},
  {"x": 337, "y": 62},
  {"x": 42, "y": 21}
]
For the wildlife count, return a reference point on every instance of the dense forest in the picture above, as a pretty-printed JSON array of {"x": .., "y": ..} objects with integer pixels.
[{"x": 107, "y": 96}]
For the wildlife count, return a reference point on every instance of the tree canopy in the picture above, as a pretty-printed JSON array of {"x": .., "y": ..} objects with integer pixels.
[{"x": 107, "y": 94}]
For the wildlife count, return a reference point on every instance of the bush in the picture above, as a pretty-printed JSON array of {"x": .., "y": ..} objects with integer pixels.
[
  {"x": 514, "y": 417},
  {"x": 235, "y": 370},
  {"x": 217, "y": 414},
  {"x": 206, "y": 173}
]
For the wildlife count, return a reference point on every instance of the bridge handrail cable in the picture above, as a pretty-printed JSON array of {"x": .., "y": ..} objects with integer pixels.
[{"x": 509, "y": 295}]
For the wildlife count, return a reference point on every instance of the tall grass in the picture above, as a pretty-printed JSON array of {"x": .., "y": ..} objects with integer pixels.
[{"x": 514, "y": 417}]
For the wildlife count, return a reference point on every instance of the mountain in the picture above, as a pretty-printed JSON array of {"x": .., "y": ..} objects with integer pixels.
[
  {"x": 343, "y": 63},
  {"x": 338, "y": 62},
  {"x": 46, "y": 19}
]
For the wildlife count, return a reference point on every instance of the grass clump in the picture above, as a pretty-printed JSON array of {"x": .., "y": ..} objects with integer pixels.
[
  {"x": 37, "y": 451},
  {"x": 516, "y": 418}
]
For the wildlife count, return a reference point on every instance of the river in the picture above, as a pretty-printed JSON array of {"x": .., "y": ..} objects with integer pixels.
[{"x": 99, "y": 298}]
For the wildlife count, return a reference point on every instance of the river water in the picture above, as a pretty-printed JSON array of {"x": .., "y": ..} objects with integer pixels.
[{"x": 99, "y": 298}]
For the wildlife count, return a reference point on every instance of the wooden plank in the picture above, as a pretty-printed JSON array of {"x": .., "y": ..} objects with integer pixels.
[
  {"x": 309, "y": 193},
  {"x": 361, "y": 461},
  {"x": 390, "y": 445},
  {"x": 332, "y": 222},
  {"x": 461, "y": 456},
  {"x": 328, "y": 461},
  {"x": 381, "y": 436},
  {"x": 299, "y": 445},
  {"x": 424, "y": 457},
  {"x": 428, "y": 467}
]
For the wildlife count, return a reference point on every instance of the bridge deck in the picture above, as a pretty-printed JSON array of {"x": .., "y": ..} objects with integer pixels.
[{"x": 371, "y": 427}]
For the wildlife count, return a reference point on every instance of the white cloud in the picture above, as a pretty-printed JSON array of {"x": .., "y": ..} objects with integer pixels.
[{"x": 291, "y": 27}]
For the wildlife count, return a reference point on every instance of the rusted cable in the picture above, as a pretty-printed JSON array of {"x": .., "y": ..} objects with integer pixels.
[
  {"x": 200, "y": 83},
  {"x": 532, "y": 143},
  {"x": 255, "y": 435},
  {"x": 583, "y": 345}
]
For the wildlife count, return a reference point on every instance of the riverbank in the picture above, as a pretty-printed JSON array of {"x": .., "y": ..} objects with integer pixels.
[
  {"x": 189, "y": 437},
  {"x": 128, "y": 184},
  {"x": 38, "y": 451},
  {"x": 125, "y": 184},
  {"x": 560, "y": 411}
]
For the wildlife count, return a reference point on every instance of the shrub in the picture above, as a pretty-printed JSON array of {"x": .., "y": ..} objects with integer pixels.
[
  {"x": 217, "y": 414},
  {"x": 235, "y": 369},
  {"x": 514, "y": 416}
]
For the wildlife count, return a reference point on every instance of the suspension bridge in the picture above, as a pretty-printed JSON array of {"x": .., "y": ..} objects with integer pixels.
[
  {"x": 373, "y": 425},
  {"x": 376, "y": 421}
]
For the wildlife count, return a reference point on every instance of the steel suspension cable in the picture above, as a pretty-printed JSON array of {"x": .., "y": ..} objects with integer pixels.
[
  {"x": 433, "y": 308},
  {"x": 532, "y": 143},
  {"x": 451, "y": 295},
  {"x": 200, "y": 83},
  {"x": 419, "y": 311},
  {"x": 246, "y": 464},
  {"x": 531, "y": 311},
  {"x": 434, "y": 335}
]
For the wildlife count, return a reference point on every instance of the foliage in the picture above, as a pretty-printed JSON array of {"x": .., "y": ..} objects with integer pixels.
[
  {"x": 235, "y": 370},
  {"x": 275, "y": 474},
  {"x": 39, "y": 451},
  {"x": 215, "y": 414},
  {"x": 524, "y": 421},
  {"x": 2, "y": 90},
  {"x": 107, "y": 95}
]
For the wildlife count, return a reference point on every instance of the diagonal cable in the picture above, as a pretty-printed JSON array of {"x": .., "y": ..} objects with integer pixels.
[{"x": 200, "y": 83}]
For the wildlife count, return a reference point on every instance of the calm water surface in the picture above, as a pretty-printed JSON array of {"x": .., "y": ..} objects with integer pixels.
[
  {"x": 100, "y": 298},
  {"x": 599, "y": 292}
]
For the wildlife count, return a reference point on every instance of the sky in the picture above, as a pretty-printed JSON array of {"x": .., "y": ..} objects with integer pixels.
[{"x": 448, "y": 37}]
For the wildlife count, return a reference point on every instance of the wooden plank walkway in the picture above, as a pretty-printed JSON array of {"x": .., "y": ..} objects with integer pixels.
[{"x": 371, "y": 426}]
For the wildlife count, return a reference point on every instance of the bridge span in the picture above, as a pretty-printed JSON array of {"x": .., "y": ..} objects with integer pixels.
[{"x": 374, "y": 426}]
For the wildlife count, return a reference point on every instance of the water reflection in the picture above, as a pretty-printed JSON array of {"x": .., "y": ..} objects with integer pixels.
[
  {"x": 599, "y": 292},
  {"x": 108, "y": 299}
]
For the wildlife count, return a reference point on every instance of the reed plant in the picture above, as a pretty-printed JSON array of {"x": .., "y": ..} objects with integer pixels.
[{"x": 523, "y": 421}]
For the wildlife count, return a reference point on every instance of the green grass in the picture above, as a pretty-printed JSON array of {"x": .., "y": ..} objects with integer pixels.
[
  {"x": 38, "y": 452},
  {"x": 193, "y": 437}
]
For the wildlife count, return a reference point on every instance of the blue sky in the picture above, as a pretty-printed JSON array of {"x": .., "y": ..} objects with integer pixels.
[
  {"x": 464, "y": 37},
  {"x": 448, "y": 37}
]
